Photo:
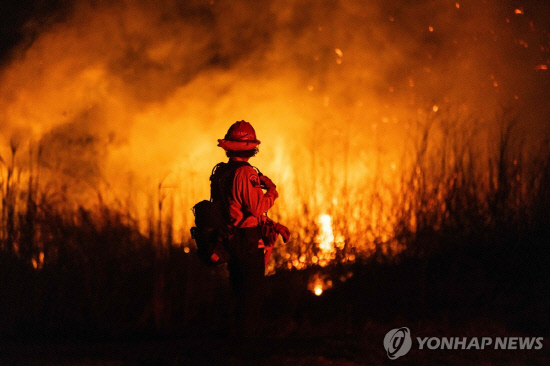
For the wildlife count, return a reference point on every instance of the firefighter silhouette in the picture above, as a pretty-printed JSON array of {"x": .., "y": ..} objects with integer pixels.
[{"x": 240, "y": 188}]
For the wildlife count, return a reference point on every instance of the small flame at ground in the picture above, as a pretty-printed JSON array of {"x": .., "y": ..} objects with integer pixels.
[
  {"x": 318, "y": 290},
  {"x": 318, "y": 284}
]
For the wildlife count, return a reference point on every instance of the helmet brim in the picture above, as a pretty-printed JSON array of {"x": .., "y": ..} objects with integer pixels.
[{"x": 229, "y": 145}]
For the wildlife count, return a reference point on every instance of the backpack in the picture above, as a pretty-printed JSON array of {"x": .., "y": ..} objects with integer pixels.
[{"x": 212, "y": 230}]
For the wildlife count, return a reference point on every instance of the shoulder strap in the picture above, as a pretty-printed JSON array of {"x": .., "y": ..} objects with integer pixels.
[{"x": 257, "y": 170}]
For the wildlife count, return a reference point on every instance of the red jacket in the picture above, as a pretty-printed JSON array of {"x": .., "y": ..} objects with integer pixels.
[{"x": 248, "y": 201}]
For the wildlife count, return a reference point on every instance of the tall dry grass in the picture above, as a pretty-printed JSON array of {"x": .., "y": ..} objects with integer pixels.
[{"x": 461, "y": 190}]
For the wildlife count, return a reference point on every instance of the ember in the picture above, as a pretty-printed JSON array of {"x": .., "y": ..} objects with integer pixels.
[{"x": 319, "y": 283}]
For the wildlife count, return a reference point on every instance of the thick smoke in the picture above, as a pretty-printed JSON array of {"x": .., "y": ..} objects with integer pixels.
[{"x": 126, "y": 97}]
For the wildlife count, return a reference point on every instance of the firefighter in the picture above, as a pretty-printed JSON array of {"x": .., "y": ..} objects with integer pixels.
[{"x": 240, "y": 188}]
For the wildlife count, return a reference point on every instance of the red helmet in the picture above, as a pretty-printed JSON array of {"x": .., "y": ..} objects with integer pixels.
[{"x": 240, "y": 136}]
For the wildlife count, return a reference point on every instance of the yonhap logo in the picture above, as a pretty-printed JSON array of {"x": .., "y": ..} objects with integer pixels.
[{"x": 398, "y": 342}]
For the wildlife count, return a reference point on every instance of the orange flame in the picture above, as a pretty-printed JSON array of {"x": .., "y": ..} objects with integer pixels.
[
  {"x": 120, "y": 104},
  {"x": 319, "y": 283}
]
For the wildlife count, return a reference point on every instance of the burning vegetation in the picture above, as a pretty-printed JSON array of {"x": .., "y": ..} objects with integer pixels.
[
  {"x": 381, "y": 123},
  {"x": 378, "y": 120}
]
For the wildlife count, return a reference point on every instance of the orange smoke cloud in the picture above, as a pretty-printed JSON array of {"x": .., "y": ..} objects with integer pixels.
[{"x": 128, "y": 99}]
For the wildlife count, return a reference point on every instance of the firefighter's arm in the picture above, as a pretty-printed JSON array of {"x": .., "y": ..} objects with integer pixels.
[
  {"x": 249, "y": 192},
  {"x": 269, "y": 185}
]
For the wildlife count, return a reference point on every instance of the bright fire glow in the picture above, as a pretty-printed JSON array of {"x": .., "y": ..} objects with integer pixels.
[
  {"x": 38, "y": 263},
  {"x": 326, "y": 236},
  {"x": 318, "y": 290},
  {"x": 319, "y": 283},
  {"x": 120, "y": 105},
  {"x": 327, "y": 241}
]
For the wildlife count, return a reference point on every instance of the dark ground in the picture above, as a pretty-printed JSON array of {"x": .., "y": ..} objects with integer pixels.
[
  {"x": 466, "y": 292},
  {"x": 124, "y": 304},
  {"x": 364, "y": 348}
]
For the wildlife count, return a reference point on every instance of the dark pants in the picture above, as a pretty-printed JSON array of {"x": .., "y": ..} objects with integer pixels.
[{"x": 246, "y": 274}]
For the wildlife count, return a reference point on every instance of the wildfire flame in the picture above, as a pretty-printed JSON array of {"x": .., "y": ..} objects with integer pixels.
[
  {"x": 318, "y": 290},
  {"x": 326, "y": 236},
  {"x": 120, "y": 104},
  {"x": 319, "y": 283}
]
